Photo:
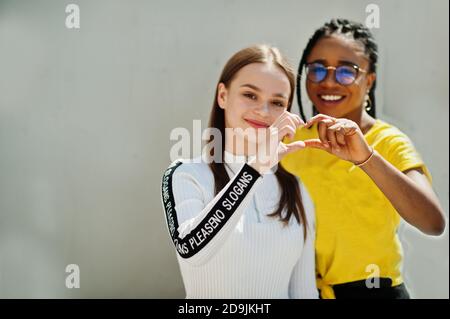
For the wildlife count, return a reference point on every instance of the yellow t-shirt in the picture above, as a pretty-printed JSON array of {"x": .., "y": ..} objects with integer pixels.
[{"x": 356, "y": 225}]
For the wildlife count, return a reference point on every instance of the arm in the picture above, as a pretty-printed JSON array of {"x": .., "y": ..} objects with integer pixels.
[
  {"x": 409, "y": 192},
  {"x": 199, "y": 230}
]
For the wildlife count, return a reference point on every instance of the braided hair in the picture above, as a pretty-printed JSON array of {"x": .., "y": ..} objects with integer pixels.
[{"x": 359, "y": 33}]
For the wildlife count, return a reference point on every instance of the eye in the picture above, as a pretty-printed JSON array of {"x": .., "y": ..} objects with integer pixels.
[
  {"x": 250, "y": 96},
  {"x": 278, "y": 103}
]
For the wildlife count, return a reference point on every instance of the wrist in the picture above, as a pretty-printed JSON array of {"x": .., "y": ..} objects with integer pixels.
[{"x": 367, "y": 158}]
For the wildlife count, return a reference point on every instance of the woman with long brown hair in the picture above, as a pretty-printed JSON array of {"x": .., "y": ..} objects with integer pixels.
[{"x": 236, "y": 217}]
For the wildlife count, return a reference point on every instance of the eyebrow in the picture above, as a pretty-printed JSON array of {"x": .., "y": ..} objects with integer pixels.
[
  {"x": 346, "y": 62},
  {"x": 259, "y": 90}
]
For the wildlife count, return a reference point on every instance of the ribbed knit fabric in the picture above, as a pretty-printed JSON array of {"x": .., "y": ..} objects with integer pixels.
[{"x": 227, "y": 245}]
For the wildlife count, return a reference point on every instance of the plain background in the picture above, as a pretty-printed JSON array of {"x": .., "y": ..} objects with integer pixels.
[{"x": 85, "y": 119}]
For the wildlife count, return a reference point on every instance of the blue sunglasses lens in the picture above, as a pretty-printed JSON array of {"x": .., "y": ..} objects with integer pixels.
[
  {"x": 316, "y": 72},
  {"x": 345, "y": 74}
]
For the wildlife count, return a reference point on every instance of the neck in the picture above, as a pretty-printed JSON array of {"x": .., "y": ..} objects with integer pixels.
[
  {"x": 236, "y": 145},
  {"x": 362, "y": 118}
]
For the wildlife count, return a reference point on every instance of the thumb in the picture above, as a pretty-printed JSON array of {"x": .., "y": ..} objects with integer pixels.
[
  {"x": 315, "y": 143},
  {"x": 294, "y": 146}
]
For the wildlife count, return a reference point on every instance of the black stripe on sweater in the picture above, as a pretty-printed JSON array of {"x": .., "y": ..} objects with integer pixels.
[{"x": 216, "y": 218}]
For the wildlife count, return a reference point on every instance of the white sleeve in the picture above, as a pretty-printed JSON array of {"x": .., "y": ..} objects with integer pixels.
[
  {"x": 302, "y": 284},
  {"x": 199, "y": 229}
]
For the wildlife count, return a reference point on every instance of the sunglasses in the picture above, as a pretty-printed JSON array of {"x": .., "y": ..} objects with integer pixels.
[{"x": 343, "y": 74}]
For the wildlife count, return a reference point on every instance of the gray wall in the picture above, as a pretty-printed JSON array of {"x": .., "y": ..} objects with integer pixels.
[{"x": 85, "y": 118}]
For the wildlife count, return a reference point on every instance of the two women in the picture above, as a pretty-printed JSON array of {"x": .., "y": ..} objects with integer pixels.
[{"x": 243, "y": 233}]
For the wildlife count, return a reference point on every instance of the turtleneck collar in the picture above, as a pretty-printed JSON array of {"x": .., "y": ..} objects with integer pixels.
[{"x": 234, "y": 162}]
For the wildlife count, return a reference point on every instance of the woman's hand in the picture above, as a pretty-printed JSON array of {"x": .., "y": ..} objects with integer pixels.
[
  {"x": 270, "y": 148},
  {"x": 410, "y": 193},
  {"x": 341, "y": 137}
]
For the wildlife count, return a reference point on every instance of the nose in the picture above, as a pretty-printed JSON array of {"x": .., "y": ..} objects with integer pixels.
[
  {"x": 263, "y": 108},
  {"x": 330, "y": 80}
]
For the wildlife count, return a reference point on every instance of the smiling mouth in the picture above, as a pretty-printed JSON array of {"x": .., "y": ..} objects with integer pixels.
[
  {"x": 256, "y": 124},
  {"x": 331, "y": 98}
]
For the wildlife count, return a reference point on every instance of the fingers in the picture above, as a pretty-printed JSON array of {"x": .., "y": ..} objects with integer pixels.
[
  {"x": 316, "y": 143},
  {"x": 341, "y": 129},
  {"x": 289, "y": 121},
  {"x": 336, "y": 133},
  {"x": 349, "y": 127},
  {"x": 294, "y": 146},
  {"x": 317, "y": 119},
  {"x": 290, "y": 148},
  {"x": 322, "y": 129},
  {"x": 340, "y": 136},
  {"x": 280, "y": 118},
  {"x": 333, "y": 132},
  {"x": 287, "y": 125},
  {"x": 331, "y": 135},
  {"x": 286, "y": 130},
  {"x": 297, "y": 119}
]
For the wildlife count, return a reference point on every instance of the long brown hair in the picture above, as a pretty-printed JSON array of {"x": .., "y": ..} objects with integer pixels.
[{"x": 290, "y": 191}]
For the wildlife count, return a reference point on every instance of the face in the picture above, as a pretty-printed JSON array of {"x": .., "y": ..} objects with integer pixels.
[
  {"x": 329, "y": 96},
  {"x": 256, "y": 96}
]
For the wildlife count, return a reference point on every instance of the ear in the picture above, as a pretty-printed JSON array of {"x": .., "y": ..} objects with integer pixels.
[
  {"x": 222, "y": 93},
  {"x": 370, "y": 78}
]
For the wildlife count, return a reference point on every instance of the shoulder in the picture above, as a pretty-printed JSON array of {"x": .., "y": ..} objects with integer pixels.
[
  {"x": 397, "y": 148},
  {"x": 187, "y": 169},
  {"x": 383, "y": 132},
  {"x": 391, "y": 142}
]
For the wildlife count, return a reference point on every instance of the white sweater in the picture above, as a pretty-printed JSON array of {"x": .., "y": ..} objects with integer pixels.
[{"x": 227, "y": 245}]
